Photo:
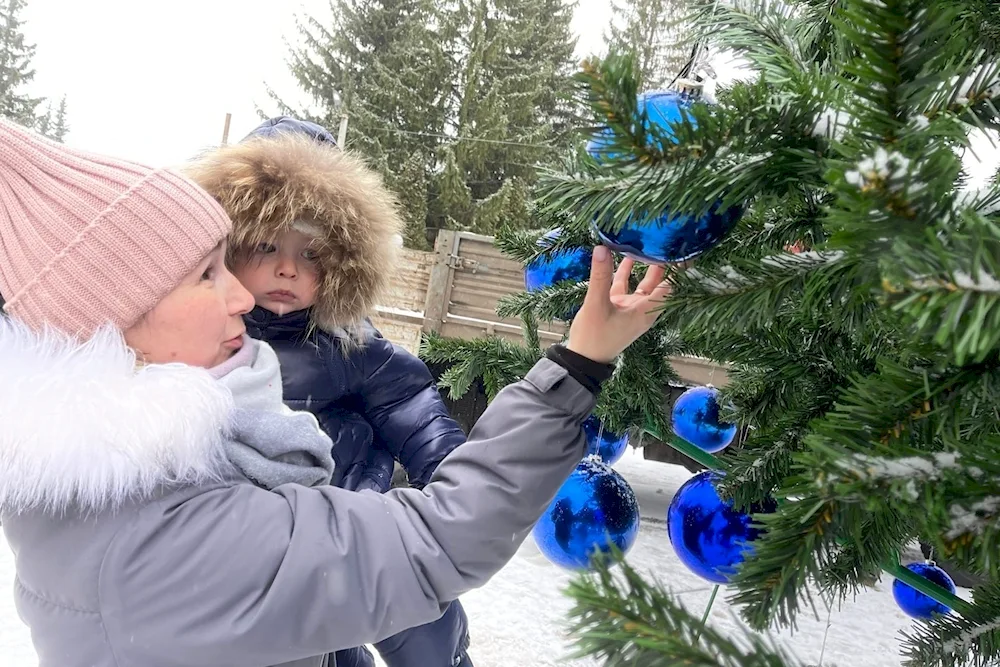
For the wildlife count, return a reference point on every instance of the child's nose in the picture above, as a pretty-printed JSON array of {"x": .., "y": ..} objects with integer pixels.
[{"x": 286, "y": 269}]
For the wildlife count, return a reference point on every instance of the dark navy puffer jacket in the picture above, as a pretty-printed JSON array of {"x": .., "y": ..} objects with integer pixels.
[{"x": 378, "y": 402}]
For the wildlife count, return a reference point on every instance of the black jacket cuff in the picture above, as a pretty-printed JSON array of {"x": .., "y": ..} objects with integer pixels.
[{"x": 591, "y": 374}]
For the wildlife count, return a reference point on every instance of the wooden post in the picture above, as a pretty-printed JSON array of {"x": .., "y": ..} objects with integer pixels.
[
  {"x": 438, "y": 287},
  {"x": 342, "y": 134},
  {"x": 225, "y": 129}
]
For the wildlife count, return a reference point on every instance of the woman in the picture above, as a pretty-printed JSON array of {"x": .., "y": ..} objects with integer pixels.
[{"x": 137, "y": 543}]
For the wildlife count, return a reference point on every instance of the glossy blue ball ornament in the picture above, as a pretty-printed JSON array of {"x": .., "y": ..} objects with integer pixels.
[
  {"x": 665, "y": 238},
  {"x": 663, "y": 107},
  {"x": 594, "y": 509},
  {"x": 914, "y": 603},
  {"x": 601, "y": 442},
  {"x": 695, "y": 418},
  {"x": 545, "y": 271},
  {"x": 670, "y": 238},
  {"x": 709, "y": 536}
]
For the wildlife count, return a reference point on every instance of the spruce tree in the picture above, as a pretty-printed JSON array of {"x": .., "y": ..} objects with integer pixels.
[
  {"x": 477, "y": 91},
  {"x": 866, "y": 367},
  {"x": 512, "y": 107},
  {"x": 655, "y": 34},
  {"x": 60, "y": 125},
  {"x": 15, "y": 66},
  {"x": 386, "y": 65}
]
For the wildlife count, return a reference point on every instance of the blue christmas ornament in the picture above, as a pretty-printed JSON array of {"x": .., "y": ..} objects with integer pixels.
[
  {"x": 670, "y": 238},
  {"x": 594, "y": 509},
  {"x": 709, "y": 536},
  {"x": 667, "y": 237},
  {"x": 663, "y": 107},
  {"x": 545, "y": 271},
  {"x": 607, "y": 446},
  {"x": 696, "y": 419},
  {"x": 914, "y": 603}
]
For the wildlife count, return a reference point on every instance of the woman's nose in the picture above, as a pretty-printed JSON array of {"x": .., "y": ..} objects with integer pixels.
[{"x": 240, "y": 299}]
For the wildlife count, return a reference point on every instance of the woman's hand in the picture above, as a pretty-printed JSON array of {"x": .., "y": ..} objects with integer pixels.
[{"x": 611, "y": 319}]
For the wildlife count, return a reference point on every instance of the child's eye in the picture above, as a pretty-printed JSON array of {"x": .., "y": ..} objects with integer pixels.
[
  {"x": 265, "y": 248},
  {"x": 310, "y": 255}
]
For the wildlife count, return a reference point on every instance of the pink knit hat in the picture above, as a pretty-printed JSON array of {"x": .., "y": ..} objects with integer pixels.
[{"x": 87, "y": 240}]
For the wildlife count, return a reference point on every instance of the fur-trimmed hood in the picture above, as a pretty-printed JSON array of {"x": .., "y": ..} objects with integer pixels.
[
  {"x": 80, "y": 426},
  {"x": 267, "y": 184}
]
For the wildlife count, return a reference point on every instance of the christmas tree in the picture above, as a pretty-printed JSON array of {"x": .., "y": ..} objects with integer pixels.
[
  {"x": 455, "y": 102},
  {"x": 856, "y": 301},
  {"x": 15, "y": 66}
]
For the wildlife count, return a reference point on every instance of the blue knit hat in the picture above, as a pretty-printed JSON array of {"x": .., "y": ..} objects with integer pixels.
[{"x": 272, "y": 127}]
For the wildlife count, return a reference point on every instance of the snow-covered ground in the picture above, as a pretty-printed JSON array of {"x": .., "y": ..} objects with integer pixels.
[{"x": 518, "y": 618}]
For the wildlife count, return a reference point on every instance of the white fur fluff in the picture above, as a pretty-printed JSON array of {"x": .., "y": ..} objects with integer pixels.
[{"x": 79, "y": 425}]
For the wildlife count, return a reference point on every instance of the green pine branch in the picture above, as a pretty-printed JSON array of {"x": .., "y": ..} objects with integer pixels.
[
  {"x": 494, "y": 360},
  {"x": 624, "y": 620},
  {"x": 972, "y": 639}
]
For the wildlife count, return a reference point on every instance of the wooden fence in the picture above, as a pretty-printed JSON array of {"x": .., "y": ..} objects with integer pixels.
[{"x": 454, "y": 291}]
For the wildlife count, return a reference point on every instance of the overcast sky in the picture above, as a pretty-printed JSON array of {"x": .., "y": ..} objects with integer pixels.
[{"x": 152, "y": 81}]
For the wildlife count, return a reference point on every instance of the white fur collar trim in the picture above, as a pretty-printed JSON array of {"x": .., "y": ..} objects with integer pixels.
[{"x": 79, "y": 426}]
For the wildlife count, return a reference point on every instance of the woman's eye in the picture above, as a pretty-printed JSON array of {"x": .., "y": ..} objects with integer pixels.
[
  {"x": 209, "y": 273},
  {"x": 265, "y": 248}
]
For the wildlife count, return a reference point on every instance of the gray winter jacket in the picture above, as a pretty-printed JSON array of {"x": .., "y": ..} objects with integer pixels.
[{"x": 137, "y": 545}]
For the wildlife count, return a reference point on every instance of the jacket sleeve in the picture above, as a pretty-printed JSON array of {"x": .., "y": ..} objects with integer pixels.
[
  {"x": 396, "y": 392},
  {"x": 240, "y": 575}
]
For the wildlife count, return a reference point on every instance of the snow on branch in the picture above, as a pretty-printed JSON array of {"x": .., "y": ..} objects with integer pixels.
[
  {"x": 980, "y": 516},
  {"x": 908, "y": 468},
  {"x": 879, "y": 168},
  {"x": 964, "y": 643},
  {"x": 984, "y": 283},
  {"x": 832, "y": 123}
]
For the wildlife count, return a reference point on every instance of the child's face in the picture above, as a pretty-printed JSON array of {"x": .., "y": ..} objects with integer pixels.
[{"x": 281, "y": 274}]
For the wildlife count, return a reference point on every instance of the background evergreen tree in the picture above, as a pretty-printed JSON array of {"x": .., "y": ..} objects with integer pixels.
[
  {"x": 387, "y": 66},
  {"x": 53, "y": 124},
  {"x": 512, "y": 106},
  {"x": 15, "y": 66},
  {"x": 60, "y": 124},
  {"x": 451, "y": 100},
  {"x": 867, "y": 367},
  {"x": 655, "y": 34}
]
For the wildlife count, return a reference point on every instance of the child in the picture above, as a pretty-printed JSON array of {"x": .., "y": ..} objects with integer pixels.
[{"x": 312, "y": 240}]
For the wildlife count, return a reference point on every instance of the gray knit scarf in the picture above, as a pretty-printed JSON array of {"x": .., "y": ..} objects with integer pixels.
[{"x": 271, "y": 444}]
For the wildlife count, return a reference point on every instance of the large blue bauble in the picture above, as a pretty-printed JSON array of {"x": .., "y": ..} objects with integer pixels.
[
  {"x": 545, "y": 271},
  {"x": 696, "y": 419},
  {"x": 662, "y": 107},
  {"x": 709, "y": 536},
  {"x": 666, "y": 238},
  {"x": 594, "y": 509},
  {"x": 607, "y": 446},
  {"x": 914, "y": 603},
  {"x": 670, "y": 238}
]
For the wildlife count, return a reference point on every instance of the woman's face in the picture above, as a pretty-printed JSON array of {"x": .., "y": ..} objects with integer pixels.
[{"x": 200, "y": 323}]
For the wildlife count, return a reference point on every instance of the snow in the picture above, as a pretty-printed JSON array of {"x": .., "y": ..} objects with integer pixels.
[
  {"x": 981, "y": 516},
  {"x": 519, "y": 616},
  {"x": 986, "y": 282},
  {"x": 873, "y": 467},
  {"x": 832, "y": 124},
  {"x": 881, "y": 166}
]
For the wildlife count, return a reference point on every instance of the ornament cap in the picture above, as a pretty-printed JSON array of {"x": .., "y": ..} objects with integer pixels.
[{"x": 689, "y": 86}]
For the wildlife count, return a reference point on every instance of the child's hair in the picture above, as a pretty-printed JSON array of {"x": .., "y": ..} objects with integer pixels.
[{"x": 268, "y": 185}]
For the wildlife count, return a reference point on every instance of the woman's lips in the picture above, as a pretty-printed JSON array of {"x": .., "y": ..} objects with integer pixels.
[{"x": 234, "y": 343}]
